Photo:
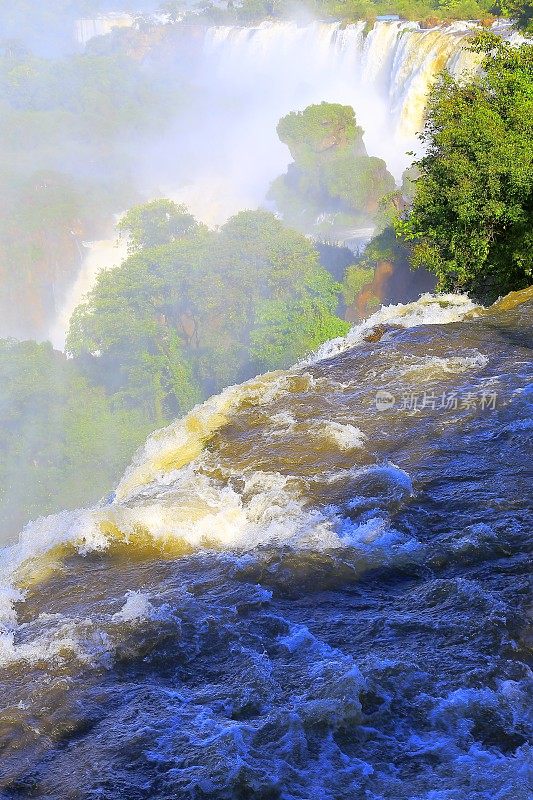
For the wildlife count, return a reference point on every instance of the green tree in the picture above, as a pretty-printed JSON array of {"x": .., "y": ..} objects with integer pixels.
[
  {"x": 63, "y": 442},
  {"x": 155, "y": 223},
  {"x": 332, "y": 173},
  {"x": 521, "y": 11},
  {"x": 357, "y": 276},
  {"x": 63, "y": 166},
  {"x": 128, "y": 339},
  {"x": 286, "y": 331},
  {"x": 174, "y": 9},
  {"x": 471, "y": 220},
  {"x": 186, "y": 317}
]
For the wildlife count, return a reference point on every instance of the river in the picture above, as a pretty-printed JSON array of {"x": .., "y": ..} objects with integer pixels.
[{"x": 314, "y": 585}]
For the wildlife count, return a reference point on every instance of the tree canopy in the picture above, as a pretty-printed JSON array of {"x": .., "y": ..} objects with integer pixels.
[
  {"x": 155, "y": 223},
  {"x": 521, "y": 11},
  {"x": 63, "y": 441},
  {"x": 194, "y": 312},
  {"x": 471, "y": 221},
  {"x": 190, "y": 311},
  {"x": 332, "y": 174},
  {"x": 63, "y": 164}
]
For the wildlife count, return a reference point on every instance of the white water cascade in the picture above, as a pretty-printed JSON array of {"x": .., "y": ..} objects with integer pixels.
[
  {"x": 253, "y": 76},
  {"x": 87, "y": 29},
  {"x": 225, "y": 152},
  {"x": 384, "y": 74},
  {"x": 99, "y": 255}
]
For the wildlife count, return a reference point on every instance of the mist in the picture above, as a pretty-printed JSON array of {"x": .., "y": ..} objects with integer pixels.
[
  {"x": 209, "y": 140},
  {"x": 96, "y": 124},
  {"x": 265, "y": 399}
]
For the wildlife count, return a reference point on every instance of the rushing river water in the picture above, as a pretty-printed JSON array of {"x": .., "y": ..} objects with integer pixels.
[{"x": 313, "y": 586}]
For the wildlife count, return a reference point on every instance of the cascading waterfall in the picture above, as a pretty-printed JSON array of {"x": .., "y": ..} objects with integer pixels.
[
  {"x": 316, "y": 583},
  {"x": 385, "y": 75},
  {"x": 99, "y": 255},
  {"x": 87, "y": 29},
  {"x": 249, "y": 77}
]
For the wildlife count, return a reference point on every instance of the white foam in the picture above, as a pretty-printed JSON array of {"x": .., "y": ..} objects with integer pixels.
[
  {"x": 183, "y": 440},
  {"x": 168, "y": 497},
  {"x": 429, "y": 309},
  {"x": 431, "y": 367},
  {"x": 137, "y": 606},
  {"x": 345, "y": 436},
  {"x": 38, "y": 538},
  {"x": 188, "y": 506},
  {"x": 55, "y": 639},
  {"x": 283, "y": 422}
]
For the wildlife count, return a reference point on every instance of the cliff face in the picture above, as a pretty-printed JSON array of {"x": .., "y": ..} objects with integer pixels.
[
  {"x": 332, "y": 173},
  {"x": 44, "y": 269},
  {"x": 45, "y": 221},
  {"x": 371, "y": 294}
]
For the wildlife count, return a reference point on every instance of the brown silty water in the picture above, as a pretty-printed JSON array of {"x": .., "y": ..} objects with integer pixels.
[{"x": 314, "y": 585}]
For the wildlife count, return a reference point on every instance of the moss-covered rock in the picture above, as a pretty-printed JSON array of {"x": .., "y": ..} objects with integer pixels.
[{"x": 332, "y": 173}]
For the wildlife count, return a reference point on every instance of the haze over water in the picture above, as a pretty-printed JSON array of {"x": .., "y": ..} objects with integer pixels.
[
  {"x": 223, "y": 153},
  {"x": 315, "y": 584}
]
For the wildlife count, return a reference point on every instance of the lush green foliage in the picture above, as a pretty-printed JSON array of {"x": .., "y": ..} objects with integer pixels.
[
  {"x": 155, "y": 223},
  {"x": 472, "y": 217},
  {"x": 47, "y": 24},
  {"x": 332, "y": 173},
  {"x": 430, "y": 11},
  {"x": 519, "y": 10},
  {"x": 63, "y": 442},
  {"x": 64, "y": 168},
  {"x": 190, "y": 311},
  {"x": 319, "y": 132},
  {"x": 43, "y": 219},
  {"x": 188, "y": 315},
  {"x": 357, "y": 277}
]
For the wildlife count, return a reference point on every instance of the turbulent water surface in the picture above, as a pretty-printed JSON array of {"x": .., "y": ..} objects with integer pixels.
[{"x": 315, "y": 585}]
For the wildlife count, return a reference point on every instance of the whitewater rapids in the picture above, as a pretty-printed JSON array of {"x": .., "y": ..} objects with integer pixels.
[{"x": 313, "y": 585}]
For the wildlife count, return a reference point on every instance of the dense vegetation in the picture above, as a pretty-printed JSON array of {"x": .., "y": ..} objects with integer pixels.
[
  {"x": 521, "y": 11},
  {"x": 47, "y": 25},
  {"x": 63, "y": 441},
  {"x": 190, "y": 311},
  {"x": 64, "y": 166},
  {"x": 193, "y": 310},
  {"x": 72, "y": 125},
  {"x": 471, "y": 222},
  {"x": 430, "y": 12},
  {"x": 333, "y": 179},
  {"x": 46, "y": 22}
]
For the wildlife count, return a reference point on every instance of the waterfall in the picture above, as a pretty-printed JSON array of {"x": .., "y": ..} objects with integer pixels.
[
  {"x": 99, "y": 255},
  {"x": 385, "y": 75},
  {"x": 87, "y": 29},
  {"x": 247, "y": 78}
]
